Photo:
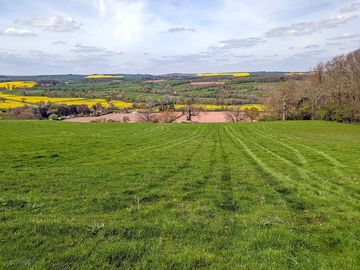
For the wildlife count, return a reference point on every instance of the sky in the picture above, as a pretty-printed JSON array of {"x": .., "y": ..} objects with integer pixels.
[{"x": 173, "y": 36}]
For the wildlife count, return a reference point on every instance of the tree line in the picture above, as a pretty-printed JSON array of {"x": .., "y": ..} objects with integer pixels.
[{"x": 330, "y": 92}]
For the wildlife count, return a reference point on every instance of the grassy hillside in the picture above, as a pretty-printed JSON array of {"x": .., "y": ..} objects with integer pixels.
[{"x": 250, "y": 195}]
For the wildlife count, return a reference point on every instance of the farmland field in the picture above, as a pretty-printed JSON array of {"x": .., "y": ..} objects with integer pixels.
[
  {"x": 17, "y": 84},
  {"x": 215, "y": 88},
  {"x": 13, "y": 101},
  {"x": 186, "y": 196}
]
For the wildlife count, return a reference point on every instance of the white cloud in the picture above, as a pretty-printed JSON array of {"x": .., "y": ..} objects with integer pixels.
[
  {"x": 177, "y": 35},
  {"x": 312, "y": 46},
  {"x": 335, "y": 43},
  {"x": 17, "y": 32},
  {"x": 314, "y": 53},
  {"x": 240, "y": 43},
  {"x": 53, "y": 24},
  {"x": 59, "y": 42},
  {"x": 308, "y": 28},
  {"x": 180, "y": 29},
  {"x": 87, "y": 49},
  {"x": 352, "y": 8},
  {"x": 345, "y": 36},
  {"x": 336, "y": 21}
]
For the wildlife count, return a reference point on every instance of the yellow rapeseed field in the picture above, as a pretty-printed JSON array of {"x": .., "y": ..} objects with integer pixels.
[
  {"x": 17, "y": 84},
  {"x": 236, "y": 74},
  {"x": 103, "y": 77},
  {"x": 13, "y": 101},
  {"x": 249, "y": 106},
  {"x": 294, "y": 73},
  {"x": 9, "y": 104}
]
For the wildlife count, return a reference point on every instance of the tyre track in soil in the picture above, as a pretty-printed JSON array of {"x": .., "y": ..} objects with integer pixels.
[
  {"x": 275, "y": 181},
  {"x": 227, "y": 202},
  {"x": 129, "y": 148},
  {"x": 184, "y": 164},
  {"x": 309, "y": 175},
  {"x": 148, "y": 133},
  {"x": 160, "y": 146},
  {"x": 324, "y": 179},
  {"x": 279, "y": 181},
  {"x": 309, "y": 183},
  {"x": 165, "y": 140},
  {"x": 151, "y": 145},
  {"x": 302, "y": 173},
  {"x": 337, "y": 166},
  {"x": 261, "y": 165},
  {"x": 298, "y": 154},
  {"x": 328, "y": 157},
  {"x": 194, "y": 187},
  {"x": 193, "y": 139},
  {"x": 187, "y": 161},
  {"x": 325, "y": 185}
]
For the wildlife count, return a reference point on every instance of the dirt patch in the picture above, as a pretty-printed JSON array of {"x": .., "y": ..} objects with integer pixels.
[
  {"x": 203, "y": 117},
  {"x": 206, "y": 117},
  {"x": 118, "y": 117}
]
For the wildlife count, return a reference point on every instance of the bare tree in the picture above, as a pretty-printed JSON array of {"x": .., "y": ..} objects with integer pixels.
[
  {"x": 126, "y": 119},
  {"x": 146, "y": 116},
  {"x": 330, "y": 92},
  {"x": 234, "y": 114},
  {"x": 190, "y": 110},
  {"x": 121, "y": 94},
  {"x": 167, "y": 116}
]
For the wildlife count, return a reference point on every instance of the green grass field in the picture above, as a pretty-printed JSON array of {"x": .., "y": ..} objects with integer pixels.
[{"x": 186, "y": 196}]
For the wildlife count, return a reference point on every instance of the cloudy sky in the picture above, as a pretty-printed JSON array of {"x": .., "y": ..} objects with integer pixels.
[{"x": 167, "y": 36}]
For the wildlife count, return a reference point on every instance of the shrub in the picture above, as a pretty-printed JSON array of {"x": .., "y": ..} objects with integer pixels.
[
  {"x": 270, "y": 117},
  {"x": 25, "y": 112},
  {"x": 53, "y": 117},
  {"x": 252, "y": 113},
  {"x": 167, "y": 116},
  {"x": 126, "y": 119}
]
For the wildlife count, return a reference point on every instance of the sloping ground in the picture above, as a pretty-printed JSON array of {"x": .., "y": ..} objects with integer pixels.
[{"x": 186, "y": 196}]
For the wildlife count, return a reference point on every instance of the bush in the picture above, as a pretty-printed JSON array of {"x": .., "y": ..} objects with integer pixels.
[
  {"x": 327, "y": 112},
  {"x": 252, "y": 113},
  {"x": 25, "y": 112},
  {"x": 53, "y": 117},
  {"x": 330, "y": 92},
  {"x": 126, "y": 119},
  {"x": 167, "y": 116},
  {"x": 270, "y": 117}
]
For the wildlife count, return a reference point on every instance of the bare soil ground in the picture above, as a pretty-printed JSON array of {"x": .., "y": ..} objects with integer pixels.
[
  {"x": 118, "y": 117},
  {"x": 206, "y": 117},
  {"x": 203, "y": 117}
]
